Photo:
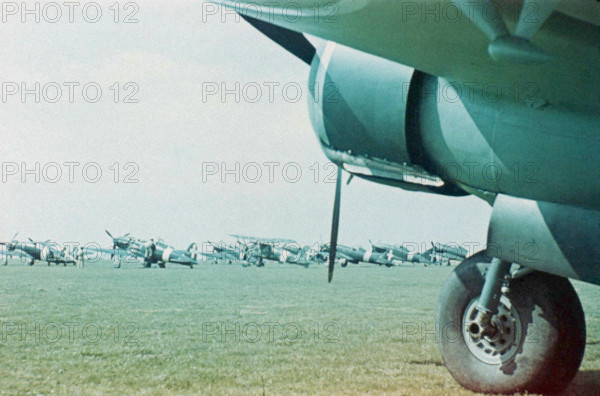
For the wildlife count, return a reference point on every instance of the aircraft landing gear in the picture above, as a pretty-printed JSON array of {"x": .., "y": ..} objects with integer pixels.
[
  {"x": 161, "y": 265},
  {"x": 530, "y": 338}
]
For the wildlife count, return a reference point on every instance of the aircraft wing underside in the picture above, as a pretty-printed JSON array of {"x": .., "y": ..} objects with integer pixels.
[{"x": 454, "y": 40}]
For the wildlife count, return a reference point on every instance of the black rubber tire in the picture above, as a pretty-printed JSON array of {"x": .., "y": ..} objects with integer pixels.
[{"x": 552, "y": 339}]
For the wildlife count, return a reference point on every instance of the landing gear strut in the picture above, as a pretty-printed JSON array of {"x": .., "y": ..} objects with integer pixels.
[
  {"x": 502, "y": 334},
  {"x": 496, "y": 281}
]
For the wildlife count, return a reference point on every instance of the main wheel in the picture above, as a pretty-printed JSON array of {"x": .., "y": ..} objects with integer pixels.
[{"x": 540, "y": 337}]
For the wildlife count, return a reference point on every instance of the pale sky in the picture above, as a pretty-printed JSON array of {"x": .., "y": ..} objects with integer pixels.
[{"x": 173, "y": 133}]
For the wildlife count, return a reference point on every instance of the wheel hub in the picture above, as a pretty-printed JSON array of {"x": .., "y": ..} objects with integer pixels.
[{"x": 499, "y": 344}]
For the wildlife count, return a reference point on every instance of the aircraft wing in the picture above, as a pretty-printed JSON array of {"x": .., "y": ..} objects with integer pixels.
[
  {"x": 454, "y": 39},
  {"x": 15, "y": 253},
  {"x": 185, "y": 260},
  {"x": 339, "y": 255},
  {"x": 263, "y": 240},
  {"x": 224, "y": 255},
  {"x": 93, "y": 251},
  {"x": 211, "y": 255}
]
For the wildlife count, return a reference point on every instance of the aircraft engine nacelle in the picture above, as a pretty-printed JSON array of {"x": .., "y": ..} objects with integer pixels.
[
  {"x": 392, "y": 124},
  {"x": 358, "y": 103},
  {"x": 358, "y": 108}
]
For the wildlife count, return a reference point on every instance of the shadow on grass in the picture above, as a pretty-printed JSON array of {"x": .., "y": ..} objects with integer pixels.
[
  {"x": 427, "y": 362},
  {"x": 587, "y": 382}
]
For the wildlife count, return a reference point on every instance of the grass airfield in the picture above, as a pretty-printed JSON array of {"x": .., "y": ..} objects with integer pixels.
[{"x": 225, "y": 329}]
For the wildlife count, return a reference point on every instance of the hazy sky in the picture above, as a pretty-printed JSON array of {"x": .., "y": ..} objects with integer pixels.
[{"x": 174, "y": 133}]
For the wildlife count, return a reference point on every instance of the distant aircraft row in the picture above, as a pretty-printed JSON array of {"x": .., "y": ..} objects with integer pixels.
[{"x": 247, "y": 250}]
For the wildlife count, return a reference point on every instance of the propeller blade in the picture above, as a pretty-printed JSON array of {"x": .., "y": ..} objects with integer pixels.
[
  {"x": 127, "y": 234},
  {"x": 529, "y": 23},
  {"x": 31, "y": 240},
  {"x": 492, "y": 25},
  {"x": 15, "y": 236},
  {"x": 109, "y": 234},
  {"x": 293, "y": 42},
  {"x": 335, "y": 223}
]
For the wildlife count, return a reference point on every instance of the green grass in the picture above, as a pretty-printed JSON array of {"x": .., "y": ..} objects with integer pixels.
[{"x": 369, "y": 315}]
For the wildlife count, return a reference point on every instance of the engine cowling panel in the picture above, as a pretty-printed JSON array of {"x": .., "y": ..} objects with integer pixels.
[
  {"x": 359, "y": 103},
  {"x": 358, "y": 109}
]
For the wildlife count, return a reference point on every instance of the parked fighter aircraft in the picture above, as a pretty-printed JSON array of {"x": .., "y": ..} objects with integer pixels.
[
  {"x": 122, "y": 242},
  {"x": 256, "y": 250},
  {"x": 399, "y": 253},
  {"x": 462, "y": 104},
  {"x": 343, "y": 254},
  {"x": 355, "y": 255},
  {"x": 304, "y": 256},
  {"x": 32, "y": 251},
  {"x": 149, "y": 252},
  {"x": 160, "y": 253},
  {"x": 445, "y": 253},
  {"x": 276, "y": 249},
  {"x": 222, "y": 251}
]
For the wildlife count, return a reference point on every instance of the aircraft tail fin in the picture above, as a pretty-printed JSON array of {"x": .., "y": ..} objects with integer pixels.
[{"x": 193, "y": 250}]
